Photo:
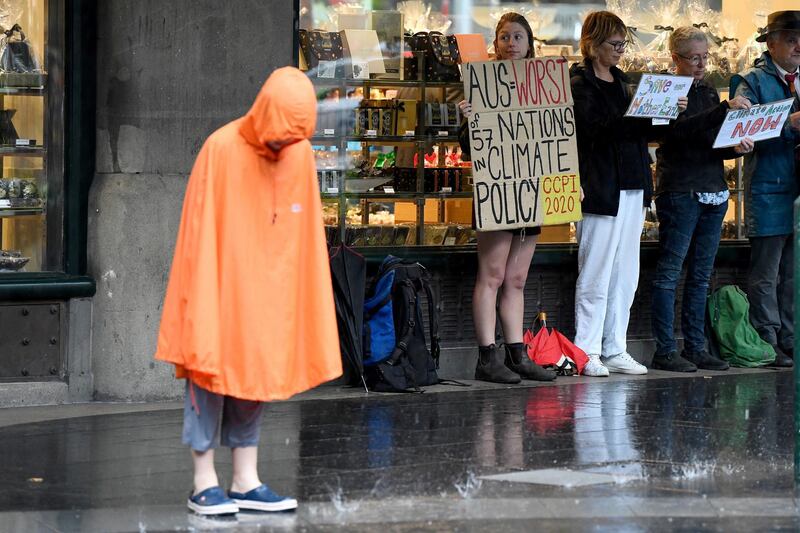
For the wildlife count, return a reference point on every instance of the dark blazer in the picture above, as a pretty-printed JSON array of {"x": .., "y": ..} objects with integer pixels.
[
  {"x": 609, "y": 145},
  {"x": 686, "y": 161}
]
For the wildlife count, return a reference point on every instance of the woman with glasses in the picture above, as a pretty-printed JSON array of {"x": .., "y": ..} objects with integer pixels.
[
  {"x": 618, "y": 184},
  {"x": 692, "y": 198}
]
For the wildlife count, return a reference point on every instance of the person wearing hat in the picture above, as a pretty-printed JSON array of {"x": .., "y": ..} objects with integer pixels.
[{"x": 771, "y": 185}]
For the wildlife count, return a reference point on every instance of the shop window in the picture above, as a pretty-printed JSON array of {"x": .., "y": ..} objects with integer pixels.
[
  {"x": 31, "y": 138},
  {"x": 388, "y": 161}
]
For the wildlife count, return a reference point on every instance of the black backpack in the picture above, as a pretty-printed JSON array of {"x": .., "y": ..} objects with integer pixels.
[{"x": 396, "y": 355}]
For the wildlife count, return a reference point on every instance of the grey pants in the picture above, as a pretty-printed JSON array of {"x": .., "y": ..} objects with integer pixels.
[
  {"x": 771, "y": 289},
  {"x": 205, "y": 412}
]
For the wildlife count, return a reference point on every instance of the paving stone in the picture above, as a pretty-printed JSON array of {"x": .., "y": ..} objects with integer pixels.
[{"x": 648, "y": 454}]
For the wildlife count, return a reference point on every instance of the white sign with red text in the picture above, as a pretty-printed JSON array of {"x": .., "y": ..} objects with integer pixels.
[
  {"x": 760, "y": 122},
  {"x": 522, "y": 139}
]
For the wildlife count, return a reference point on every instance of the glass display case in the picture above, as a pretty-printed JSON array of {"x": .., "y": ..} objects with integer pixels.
[
  {"x": 31, "y": 138},
  {"x": 389, "y": 165}
]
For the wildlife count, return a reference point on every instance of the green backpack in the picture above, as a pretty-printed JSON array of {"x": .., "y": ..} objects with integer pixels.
[{"x": 739, "y": 342}]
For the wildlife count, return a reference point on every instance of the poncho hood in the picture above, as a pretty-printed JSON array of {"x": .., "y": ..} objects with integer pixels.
[
  {"x": 285, "y": 110},
  {"x": 249, "y": 309}
]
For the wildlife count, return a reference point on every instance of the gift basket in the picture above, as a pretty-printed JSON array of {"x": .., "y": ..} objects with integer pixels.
[
  {"x": 19, "y": 62},
  {"x": 12, "y": 260},
  {"x": 419, "y": 17},
  {"x": 649, "y": 31},
  {"x": 541, "y": 23},
  {"x": 752, "y": 49}
]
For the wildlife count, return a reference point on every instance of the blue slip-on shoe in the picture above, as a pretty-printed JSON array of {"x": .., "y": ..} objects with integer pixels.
[
  {"x": 262, "y": 499},
  {"x": 212, "y": 502}
]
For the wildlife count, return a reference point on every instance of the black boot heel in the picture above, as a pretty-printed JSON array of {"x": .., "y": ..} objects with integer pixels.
[
  {"x": 491, "y": 368},
  {"x": 518, "y": 361}
]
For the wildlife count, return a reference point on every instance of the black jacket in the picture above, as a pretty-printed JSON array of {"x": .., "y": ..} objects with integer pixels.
[
  {"x": 609, "y": 144},
  {"x": 686, "y": 160}
]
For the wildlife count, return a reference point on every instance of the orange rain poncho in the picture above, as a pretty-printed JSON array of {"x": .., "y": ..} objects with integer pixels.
[{"x": 249, "y": 307}]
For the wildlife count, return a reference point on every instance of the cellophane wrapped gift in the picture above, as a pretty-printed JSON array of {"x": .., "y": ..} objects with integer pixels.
[
  {"x": 728, "y": 51},
  {"x": 540, "y": 21},
  {"x": 418, "y": 16},
  {"x": 752, "y": 49},
  {"x": 635, "y": 59},
  {"x": 638, "y": 57},
  {"x": 19, "y": 62}
]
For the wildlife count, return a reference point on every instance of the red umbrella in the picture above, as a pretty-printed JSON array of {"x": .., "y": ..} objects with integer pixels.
[
  {"x": 549, "y": 410},
  {"x": 551, "y": 349}
]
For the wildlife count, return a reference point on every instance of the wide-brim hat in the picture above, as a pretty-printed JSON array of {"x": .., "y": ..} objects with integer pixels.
[{"x": 779, "y": 21}]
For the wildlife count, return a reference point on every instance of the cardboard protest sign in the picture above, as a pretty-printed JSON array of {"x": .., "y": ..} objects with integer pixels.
[
  {"x": 657, "y": 96},
  {"x": 522, "y": 137},
  {"x": 760, "y": 122}
]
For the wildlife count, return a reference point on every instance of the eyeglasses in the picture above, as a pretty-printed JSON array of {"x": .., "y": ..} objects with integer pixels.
[
  {"x": 695, "y": 60},
  {"x": 619, "y": 46}
]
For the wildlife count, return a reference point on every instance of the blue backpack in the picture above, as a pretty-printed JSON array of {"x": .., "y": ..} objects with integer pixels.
[{"x": 396, "y": 355}]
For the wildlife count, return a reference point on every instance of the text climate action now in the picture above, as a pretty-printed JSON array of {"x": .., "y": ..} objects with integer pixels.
[
  {"x": 760, "y": 122},
  {"x": 522, "y": 137}
]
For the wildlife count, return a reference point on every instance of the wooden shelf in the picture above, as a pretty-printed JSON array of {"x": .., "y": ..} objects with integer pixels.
[
  {"x": 22, "y": 151},
  {"x": 7, "y": 212},
  {"x": 22, "y": 91}
]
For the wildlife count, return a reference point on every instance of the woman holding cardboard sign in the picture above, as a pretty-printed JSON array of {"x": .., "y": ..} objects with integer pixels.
[
  {"x": 504, "y": 257},
  {"x": 691, "y": 204},
  {"x": 618, "y": 186}
]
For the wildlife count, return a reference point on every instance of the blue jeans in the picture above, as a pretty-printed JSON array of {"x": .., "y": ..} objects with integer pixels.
[{"x": 687, "y": 230}]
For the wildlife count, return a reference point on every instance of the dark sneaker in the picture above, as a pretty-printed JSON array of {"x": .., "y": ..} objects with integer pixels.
[
  {"x": 672, "y": 362},
  {"x": 212, "y": 502},
  {"x": 492, "y": 368},
  {"x": 262, "y": 499},
  {"x": 518, "y": 361},
  {"x": 782, "y": 360},
  {"x": 705, "y": 360}
]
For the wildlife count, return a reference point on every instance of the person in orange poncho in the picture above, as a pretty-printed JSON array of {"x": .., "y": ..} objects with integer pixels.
[{"x": 248, "y": 314}]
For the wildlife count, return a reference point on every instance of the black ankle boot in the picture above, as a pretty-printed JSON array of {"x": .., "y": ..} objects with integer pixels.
[
  {"x": 491, "y": 368},
  {"x": 517, "y": 360}
]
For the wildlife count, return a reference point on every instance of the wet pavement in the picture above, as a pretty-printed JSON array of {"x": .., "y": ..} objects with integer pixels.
[{"x": 711, "y": 452}]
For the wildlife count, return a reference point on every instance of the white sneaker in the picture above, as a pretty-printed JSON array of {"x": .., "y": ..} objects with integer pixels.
[
  {"x": 624, "y": 364},
  {"x": 595, "y": 367}
]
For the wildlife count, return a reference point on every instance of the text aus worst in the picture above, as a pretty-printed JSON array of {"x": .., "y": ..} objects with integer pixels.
[{"x": 522, "y": 129}]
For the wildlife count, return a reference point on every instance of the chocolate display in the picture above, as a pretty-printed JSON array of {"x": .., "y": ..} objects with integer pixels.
[
  {"x": 20, "y": 192},
  {"x": 8, "y": 133}
]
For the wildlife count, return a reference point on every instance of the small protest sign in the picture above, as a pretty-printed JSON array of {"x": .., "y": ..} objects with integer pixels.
[
  {"x": 657, "y": 96},
  {"x": 760, "y": 122},
  {"x": 522, "y": 137}
]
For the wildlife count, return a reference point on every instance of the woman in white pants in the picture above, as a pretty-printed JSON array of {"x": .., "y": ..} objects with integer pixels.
[{"x": 618, "y": 185}]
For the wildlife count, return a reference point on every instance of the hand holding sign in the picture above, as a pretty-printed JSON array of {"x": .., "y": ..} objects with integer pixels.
[
  {"x": 760, "y": 122},
  {"x": 744, "y": 147},
  {"x": 739, "y": 102},
  {"x": 657, "y": 96},
  {"x": 794, "y": 120}
]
